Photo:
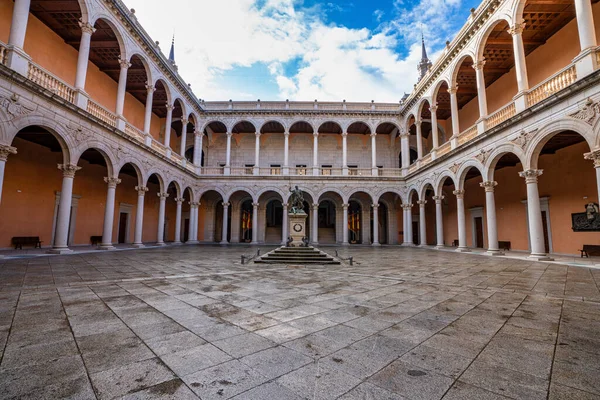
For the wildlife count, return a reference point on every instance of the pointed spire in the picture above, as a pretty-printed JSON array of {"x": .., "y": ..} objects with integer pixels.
[
  {"x": 423, "y": 50},
  {"x": 172, "y": 52},
  {"x": 424, "y": 64}
]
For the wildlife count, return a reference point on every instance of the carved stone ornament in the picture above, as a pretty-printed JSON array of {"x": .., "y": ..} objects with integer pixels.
[
  {"x": 12, "y": 106},
  {"x": 589, "y": 112},
  {"x": 489, "y": 185},
  {"x": 454, "y": 168},
  {"x": 593, "y": 156},
  {"x": 78, "y": 132},
  {"x": 483, "y": 156},
  {"x": 5, "y": 151},
  {"x": 523, "y": 139},
  {"x": 68, "y": 170}
]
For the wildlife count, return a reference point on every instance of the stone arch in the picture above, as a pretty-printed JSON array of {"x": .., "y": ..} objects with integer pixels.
[
  {"x": 464, "y": 169},
  {"x": 136, "y": 166},
  {"x": 423, "y": 188},
  {"x": 236, "y": 189},
  {"x": 333, "y": 121},
  {"x": 359, "y": 121},
  {"x": 165, "y": 84},
  {"x": 237, "y": 122},
  {"x": 497, "y": 154},
  {"x": 284, "y": 196},
  {"x": 203, "y": 191},
  {"x": 333, "y": 190},
  {"x": 458, "y": 64},
  {"x": 145, "y": 63},
  {"x": 382, "y": 193},
  {"x": 425, "y": 100},
  {"x": 303, "y": 121},
  {"x": 191, "y": 190},
  {"x": 57, "y": 130},
  {"x": 84, "y": 8},
  {"x": 438, "y": 86},
  {"x": 212, "y": 121},
  {"x": 487, "y": 29},
  {"x": 366, "y": 191},
  {"x": 277, "y": 120},
  {"x": 408, "y": 123},
  {"x": 439, "y": 183},
  {"x": 547, "y": 132},
  {"x": 116, "y": 30},
  {"x": 177, "y": 185},
  {"x": 182, "y": 104},
  {"x": 103, "y": 149},
  {"x": 412, "y": 192},
  {"x": 518, "y": 7},
  {"x": 161, "y": 179}
]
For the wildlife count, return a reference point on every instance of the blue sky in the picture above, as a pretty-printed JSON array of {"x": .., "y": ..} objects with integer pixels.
[{"x": 357, "y": 50}]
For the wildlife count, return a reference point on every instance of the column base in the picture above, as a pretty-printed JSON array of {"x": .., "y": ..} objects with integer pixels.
[
  {"x": 138, "y": 245},
  {"x": 253, "y": 243},
  {"x": 345, "y": 244},
  {"x": 121, "y": 122},
  {"x": 192, "y": 242},
  {"x": 161, "y": 244},
  {"x": 177, "y": 242},
  {"x": 107, "y": 246},
  {"x": 540, "y": 257},
  {"x": 60, "y": 250},
  {"x": 494, "y": 253},
  {"x": 408, "y": 244},
  {"x": 463, "y": 250},
  {"x": 224, "y": 243},
  {"x": 18, "y": 60},
  {"x": 376, "y": 244},
  {"x": 440, "y": 246},
  {"x": 81, "y": 99}
]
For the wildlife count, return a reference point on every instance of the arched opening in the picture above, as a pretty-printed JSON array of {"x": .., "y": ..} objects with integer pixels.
[
  {"x": 330, "y": 218},
  {"x": 173, "y": 191},
  {"x": 242, "y": 217},
  {"x": 214, "y": 147},
  {"x": 126, "y": 204},
  {"x": 246, "y": 221},
  {"x": 359, "y": 231},
  {"x": 427, "y": 195},
  {"x": 273, "y": 141},
  {"x": 243, "y": 155},
  {"x": 155, "y": 186},
  {"x": 475, "y": 212},
  {"x": 390, "y": 219},
  {"x": 32, "y": 186},
  {"x": 210, "y": 216},
  {"x": 160, "y": 100},
  {"x": 446, "y": 189},
  {"x": 135, "y": 101},
  {"x": 414, "y": 220},
  {"x": 185, "y": 215},
  {"x": 301, "y": 144},
  {"x": 466, "y": 81},
  {"x": 426, "y": 128},
  {"x": 359, "y": 148},
  {"x": 443, "y": 114},
  {"x": 188, "y": 143},
  {"x": 177, "y": 125},
  {"x": 274, "y": 221}
]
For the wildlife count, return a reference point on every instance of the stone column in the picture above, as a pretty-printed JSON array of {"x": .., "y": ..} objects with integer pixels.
[
  {"x": 344, "y": 153},
  {"x": 375, "y": 171},
  {"x": 284, "y": 227},
  {"x": 139, "y": 217},
  {"x": 375, "y": 225},
  {"x": 462, "y": 224},
  {"x": 419, "y": 139},
  {"x": 109, "y": 213},
  {"x": 225, "y": 223},
  {"x": 315, "y": 223},
  {"x": 178, "y": 220},
  {"x": 534, "y": 213},
  {"x": 585, "y": 24},
  {"x": 434, "y": 129},
  {"x": 228, "y": 154},
  {"x": 122, "y": 87},
  {"x": 254, "y": 223},
  {"x": 168, "y": 122},
  {"x": 61, "y": 237},
  {"x": 198, "y": 137},
  {"x": 87, "y": 30},
  {"x": 345, "y": 224},
  {"x": 5, "y": 150},
  {"x": 256, "y": 168},
  {"x": 516, "y": 32},
  {"x": 439, "y": 221},
  {"x": 593, "y": 156},
  {"x": 490, "y": 211},
  {"x": 184, "y": 123},
  {"x": 161, "y": 218},
  {"x": 193, "y": 228},
  {"x": 405, "y": 149},
  {"x": 148, "y": 113},
  {"x": 409, "y": 225},
  {"x": 455, "y": 119},
  {"x": 316, "y": 153},
  {"x": 481, "y": 94},
  {"x": 18, "y": 26},
  {"x": 422, "y": 222},
  {"x": 286, "y": 155}
]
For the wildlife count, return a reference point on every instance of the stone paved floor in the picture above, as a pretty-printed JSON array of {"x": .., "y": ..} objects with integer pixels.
[{"x": 188, "y": 322}]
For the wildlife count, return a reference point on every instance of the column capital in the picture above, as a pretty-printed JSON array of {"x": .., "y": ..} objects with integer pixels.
[
  {"x": 315, "y": 134},
  {"x": 460, "y": 194},
  {"x": 489, "y": 185},
  {"x": 418, "y": 123},
  {"x": 438, "y": 199},
  {"x": 344, "y": 134},
  {"x": 124, "y": 63},
  {"x": 531, "y": 175},
  {"x": 375, "y": 206},
  {"x": 163, "y": 195},
  {"x": 255, "y": 205},
  {"x": 315, "y": 205},
  {"x": 194, "y": 204},
  {"x": 422, "y": 203},
  {"x": 229, "y": 135},
  {"x": 141, "y": 190},
  {"x": 404, "y": 135},
  {"x": 150, "y": 88},
  {"x": 68, "y": 170},
  {"x": 112, "y": 182},
  {"x": 477, "y": 66},
  {"x": 373, "y": 134},
  {"x": 407, "y": 206},
  {"x": 345, "y": 206},
  {"x": 225, "y": 205},
  {"x": 5, "y": 151},
  {"x": 170, "y": 107},
  {"x": 285, "y": 205},
  {"x": 86, "y": 27},
  {"x": 184, "y": 121},
  {"x": 453, "y": 89},
  {"x": 257, "y": 134},
  {"x": 179, "y": 201},
  {"x": 286, "y": 133},
  {"x": 517, "y": 29},
  {"x": 433, "y": 109},
  {"x": 592, "y": 156},
  {"x": 198, "y": 134}
]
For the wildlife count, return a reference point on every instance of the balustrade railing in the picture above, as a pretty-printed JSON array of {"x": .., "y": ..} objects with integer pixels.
[
  {"x": 555, "y": 83},
  {"x": 48, "y": 81},
  {"x": 134, "y": 132},
  {"x": 241, "y": 170},
  {"x": 390, "y": 172},
  {"x": 190, "y": 167},
  {"x": 3, "y": 53},
  {"x": 444, "y": 149},
  {"x": 598, "y": 57},
  {"x": 176, "y": 157},
  {"x": 413, "y": 167},
  {"x": 467, "y": 135},
  {"x": 299, "y": 105},
  {"x": 159, "y": 147},
  {"x": 101, "y": 113},
  {"x": 212, "y": 170},
  {"x": 426, "y": 159},
  {"x": 503, "y": 114}
]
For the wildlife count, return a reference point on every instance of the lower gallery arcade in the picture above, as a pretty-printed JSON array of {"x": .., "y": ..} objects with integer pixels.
[{"x": 113, "y": 200}]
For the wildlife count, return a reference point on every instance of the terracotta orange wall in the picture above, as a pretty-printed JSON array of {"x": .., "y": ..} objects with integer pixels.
[{"x": 31, "y": 181}]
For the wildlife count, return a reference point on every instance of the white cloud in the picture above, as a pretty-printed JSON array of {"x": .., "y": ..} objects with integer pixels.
[{"x": 214, "y": 37}]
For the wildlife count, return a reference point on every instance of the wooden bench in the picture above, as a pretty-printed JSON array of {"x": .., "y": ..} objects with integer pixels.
[
  {"x": 19, "y": 241},
  {"x": 504, "y": 245},
  {"x": 95, "y": 240},
  {"x": 590, "y": 250}
]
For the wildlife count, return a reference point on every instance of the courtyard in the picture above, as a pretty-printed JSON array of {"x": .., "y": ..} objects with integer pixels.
[{"x": 193, "y": 322}]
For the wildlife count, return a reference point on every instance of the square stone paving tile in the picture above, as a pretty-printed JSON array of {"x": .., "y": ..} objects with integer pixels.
[
  {"x": 275, "y": 361},
  {"x": 188, "y": 361}
]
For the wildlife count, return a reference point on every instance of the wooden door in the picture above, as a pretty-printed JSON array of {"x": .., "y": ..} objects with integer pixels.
[
  {"x": 186, "y": 229},
  {"x": 479, "y": 232},
  {"x": 416, "y": 236},
  {"x": 122, "y": 227},
  {"x": 545, "y": 228}
]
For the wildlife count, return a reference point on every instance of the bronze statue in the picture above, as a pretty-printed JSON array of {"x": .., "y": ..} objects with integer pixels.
[{"x": 297, "y": 200}]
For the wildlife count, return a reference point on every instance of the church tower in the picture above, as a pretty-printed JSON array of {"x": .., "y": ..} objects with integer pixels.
[{"x": 424, "y": 64}]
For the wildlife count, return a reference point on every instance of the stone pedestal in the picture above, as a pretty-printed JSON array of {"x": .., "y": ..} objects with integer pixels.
[{"x": 297, "y": 228}]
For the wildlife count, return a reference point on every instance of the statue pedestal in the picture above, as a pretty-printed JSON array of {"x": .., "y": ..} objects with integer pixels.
[{"x": 297, "y": 228}]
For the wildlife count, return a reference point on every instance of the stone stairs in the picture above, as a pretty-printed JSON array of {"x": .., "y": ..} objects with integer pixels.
[{"x": 297, "y": 255}]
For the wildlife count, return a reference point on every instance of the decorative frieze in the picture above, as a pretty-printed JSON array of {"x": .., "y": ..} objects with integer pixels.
[
  {"x": 13, "y": 107},
  {"x": 593, "y": 156},
  {"x": 531, "y": 175},
  {"x": 589, "y": 112},
  {"x": 5, "y": 151},
  {"x": 523, "y": 138}
]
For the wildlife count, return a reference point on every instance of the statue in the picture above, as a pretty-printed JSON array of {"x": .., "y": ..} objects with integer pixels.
[
  {"x": 591, "y": 210},
  {"x": 297, "y": 200}
]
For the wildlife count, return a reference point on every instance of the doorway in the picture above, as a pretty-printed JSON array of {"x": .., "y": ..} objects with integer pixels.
[{"x": 123, "y": 225}]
